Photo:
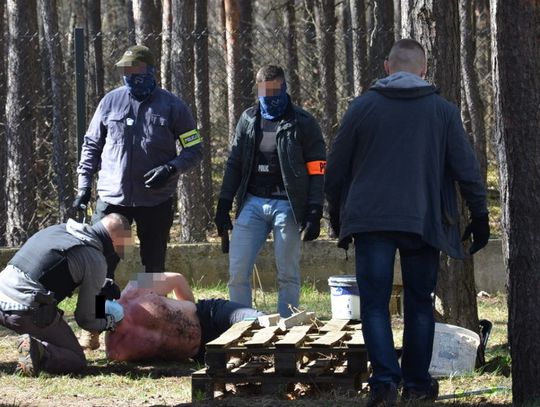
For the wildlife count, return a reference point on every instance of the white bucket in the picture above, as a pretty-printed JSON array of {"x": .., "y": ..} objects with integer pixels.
[
  {"x": 344, "y": 297},
  {"x": 454, "y": 350}
]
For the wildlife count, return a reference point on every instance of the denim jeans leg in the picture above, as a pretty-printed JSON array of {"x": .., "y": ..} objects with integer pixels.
[
  {"x": 419, "y": 270},
  {"x": 248, "y": 236},
  {"x": 375, "y": 256},
  {"x": 287, "y": 253}
]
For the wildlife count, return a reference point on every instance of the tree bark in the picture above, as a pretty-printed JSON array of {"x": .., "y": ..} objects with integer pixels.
[
  {"x": 358, "y": 22},
  {"x": 234, "y": 70},
  {"x": 436, "y": 25},
  {"x": 311, "y": 60},
  {"x": 202, "y": 100},
  {"x": 325, "y": 23},
  {"x": 147, "y": 20},
  {"x": 346, "y": 27},
  {"x": 190, "y": 192},
  {"x": 289, "y": 20},
  {"x": 95, "y": 54},
  {"x": 21, "y": 83},
  {"x": 471, "y": 88},
  {"x": 132, "y": 35},
  {"x": 245, "y": 45},
  {"x": 60, "y": 110},
  {"x": 381, "y": 39},
  {"x": 166, "y": 23},
  {"x": 3, "y": 156},
  {"x": 516, "y": 63}
]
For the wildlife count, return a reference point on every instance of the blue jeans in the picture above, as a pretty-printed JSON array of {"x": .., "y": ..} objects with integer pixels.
[
  {"x": 375, "y": 254},
  {"x": 258, "y": 218}
]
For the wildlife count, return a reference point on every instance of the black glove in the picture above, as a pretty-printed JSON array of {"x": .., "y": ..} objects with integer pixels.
[
  {"x": 311, "y": 227},
  {"x": 345, "y": 242},
  {"x": 333, "y": 212},
  {"x": 110, "y": 290},
  {"x": 223, "y": 219},
  {"x": 81, "y": 200},
  {"x": 157, "y": 177},
  {"x": 479, "y": 228}
]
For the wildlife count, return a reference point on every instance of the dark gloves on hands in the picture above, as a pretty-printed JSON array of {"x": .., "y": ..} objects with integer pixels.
[
  {"x": 479, "y": 228},
  {"x": 223, "y": 219},
  {"x": 311, "y": 227},
  {"x": 110, "y": 290},
  {"x": 333, "y": 212},
  {"x": 81, "y": 200},
  {"x": 157, "y": 177}
]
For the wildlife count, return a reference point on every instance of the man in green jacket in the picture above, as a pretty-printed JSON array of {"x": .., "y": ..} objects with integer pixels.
[{"x": 276, "y": 172}]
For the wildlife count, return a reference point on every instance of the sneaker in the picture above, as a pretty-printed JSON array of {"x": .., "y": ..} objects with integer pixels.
[
  {"x": 31, "y": 353},
  {"x": 382, "y": 395},
  {"x": 89, "y": 340},
  {"x": 412, "y": 394}
]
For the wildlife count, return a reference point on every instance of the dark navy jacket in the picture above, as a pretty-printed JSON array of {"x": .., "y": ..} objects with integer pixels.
[{"x": 395, "y": 160}]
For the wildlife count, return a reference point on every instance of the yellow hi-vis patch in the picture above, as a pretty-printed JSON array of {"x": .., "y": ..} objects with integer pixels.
[{"x": 190, "y": 138}]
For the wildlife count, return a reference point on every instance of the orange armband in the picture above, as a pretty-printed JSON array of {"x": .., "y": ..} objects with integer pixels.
[{"x": 316, "y": 167}]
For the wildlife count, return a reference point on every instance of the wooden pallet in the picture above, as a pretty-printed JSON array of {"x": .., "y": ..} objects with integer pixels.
[{"x": 273, "y": 357}]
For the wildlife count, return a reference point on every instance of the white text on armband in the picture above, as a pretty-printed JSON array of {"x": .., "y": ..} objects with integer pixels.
[{"x": 189, "y": 138}]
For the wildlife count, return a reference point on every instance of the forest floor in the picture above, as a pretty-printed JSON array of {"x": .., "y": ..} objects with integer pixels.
[{"x": 106, "y": 383}]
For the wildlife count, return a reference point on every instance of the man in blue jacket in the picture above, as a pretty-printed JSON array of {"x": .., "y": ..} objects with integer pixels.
[
  {"x": 131, "y": 144},
  {"x": 275, "y": 170},
  {"x": 390, "y": 186}
]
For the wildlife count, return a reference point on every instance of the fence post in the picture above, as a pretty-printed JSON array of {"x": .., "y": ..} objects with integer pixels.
[{"x": 80, "y": 89}]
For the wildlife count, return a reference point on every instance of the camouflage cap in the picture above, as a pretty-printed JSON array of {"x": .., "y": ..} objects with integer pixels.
[{"x": 136, "y": 55}]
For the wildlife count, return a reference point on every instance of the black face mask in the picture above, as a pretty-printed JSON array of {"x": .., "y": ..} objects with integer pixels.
[{"x": 106, "y": 241}]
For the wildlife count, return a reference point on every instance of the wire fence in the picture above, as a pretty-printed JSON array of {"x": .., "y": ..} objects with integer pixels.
[{"x": 37, "y": 188}]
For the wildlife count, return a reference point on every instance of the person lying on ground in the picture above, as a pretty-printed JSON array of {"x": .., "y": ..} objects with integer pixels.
[{"x": 156, "y": 327}]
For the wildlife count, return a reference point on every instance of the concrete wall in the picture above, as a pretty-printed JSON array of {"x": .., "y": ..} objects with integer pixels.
[{"x": 205, "y": 265}]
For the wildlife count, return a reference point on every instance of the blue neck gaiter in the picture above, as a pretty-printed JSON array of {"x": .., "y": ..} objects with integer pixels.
[
  {"x": 273, "y": 107},
  {"x": 140, "y": 85}
]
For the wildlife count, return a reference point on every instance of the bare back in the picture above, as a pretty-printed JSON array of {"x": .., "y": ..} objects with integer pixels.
[{"x": 154, "y": 327}]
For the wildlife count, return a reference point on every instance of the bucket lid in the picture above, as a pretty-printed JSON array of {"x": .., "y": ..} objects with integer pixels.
[{"x": 342, "y": 281}]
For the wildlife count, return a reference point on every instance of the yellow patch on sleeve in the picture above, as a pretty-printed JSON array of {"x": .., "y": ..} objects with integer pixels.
[{"x": 190, "y": 138}]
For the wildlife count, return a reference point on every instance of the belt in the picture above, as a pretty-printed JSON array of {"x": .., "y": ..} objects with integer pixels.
[{"x": 268, "y": 191}]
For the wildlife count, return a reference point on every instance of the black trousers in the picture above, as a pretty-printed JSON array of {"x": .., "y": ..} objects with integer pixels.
[{"x": 153, "y": 227}]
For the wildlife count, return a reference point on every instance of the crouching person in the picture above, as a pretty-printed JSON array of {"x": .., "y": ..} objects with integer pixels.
[{"x": 46, "y": 270}]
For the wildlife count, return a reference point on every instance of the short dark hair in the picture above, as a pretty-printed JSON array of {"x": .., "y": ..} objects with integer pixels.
[
  {"x": 269, "y": 73},
  {"x": 408, "y": 43}
]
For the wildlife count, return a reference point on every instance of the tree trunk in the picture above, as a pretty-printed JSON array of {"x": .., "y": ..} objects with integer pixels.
[
  {"x": 234, "y": 70},
  {"x": 190, "y": 192},
  {"x": 289, "y": 20},
  {"x": 358, "y": 22},
  {"x": 310, "y": 59},
  {"x": 21, "y": 82},
  {"x": 202, "y": 100},
  {"x": 95, "y": 54},
  {"x": 60, "y": 110},
  {"x": 3, "y": 157},
  {"x": 436, "y": 25},
  {"x": 471, "y": 88},
  {"x": 516, "y": 64},
  {"x": 132, "y": 35},
  {"x": 325, "y": 23},
  {"x": 381, "y": 39},
  {"x": 166, "y": 23},
  {"x": 397, "y": 20},
  {"x": 245, "y": 45},
  {"x": 147, "y": 20},
  {"x": 348, "y": 47}
]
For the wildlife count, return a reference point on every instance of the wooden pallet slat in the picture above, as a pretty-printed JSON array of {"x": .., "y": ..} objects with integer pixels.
[
  {"x": 329, "y": 339},
  {"x": 263, "y": 337},
  {"x": 334, "y": 325},
  {"x": 231, "y": 335},
  {"x": 357, "y": 339},
  {"x": 296, "y": 336}
]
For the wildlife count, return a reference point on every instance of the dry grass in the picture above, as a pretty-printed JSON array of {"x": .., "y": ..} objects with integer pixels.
[{"x": 124, "y": 384}]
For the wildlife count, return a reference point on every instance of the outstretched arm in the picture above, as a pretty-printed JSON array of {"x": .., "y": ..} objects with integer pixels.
[{"x": 161, "y": 284}]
